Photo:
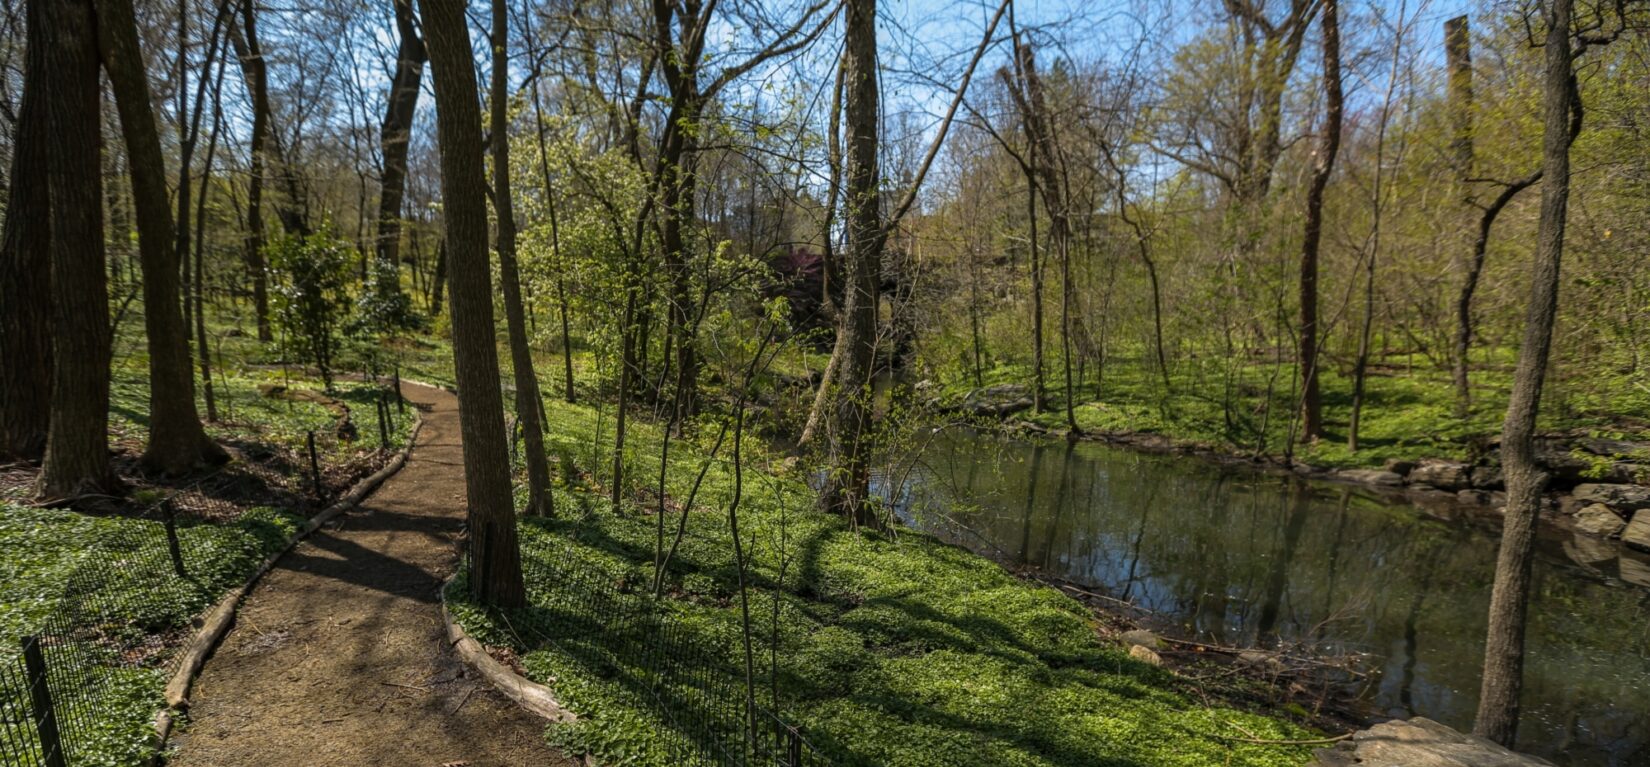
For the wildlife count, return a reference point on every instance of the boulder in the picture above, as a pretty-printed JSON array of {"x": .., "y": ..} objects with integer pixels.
[
  {"x": 1634, "y": 569},
  {"x": 1399, "y": 466},
  {"x": 1622, "y": 497},
  {"x": 1588, "y": 550},
  {"x": 1141, "y": 638},
  {"x": 1444, "y": 475},
  {"x": 1472, "y": 496},
  {"x": 1637, "y": 534},
  {"x": 1420, "y": 742},
  {"x": 1145, "y": 655},
  {"x": 1487, "y": 478},
  {"x": 1372, "y": 477},
  {"x": 1600, "y": 520},
  {"x": 997, "y": 401}
]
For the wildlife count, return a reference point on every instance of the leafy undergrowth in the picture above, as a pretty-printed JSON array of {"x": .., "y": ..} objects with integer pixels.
[{"x": 883, "y": 650}]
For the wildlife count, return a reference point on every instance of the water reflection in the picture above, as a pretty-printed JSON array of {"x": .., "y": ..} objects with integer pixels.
[{"x": 1245, "y": 558}]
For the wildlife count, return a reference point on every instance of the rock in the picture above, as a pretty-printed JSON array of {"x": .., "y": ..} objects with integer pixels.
[
  {"x": 1420, "y": 742},
  {"x": 1599, "y": 520},
  {"x": 1444, "y": 475},
  {"x": 1472, "y": 496},
  {"x": 1372, "y": 477},
  {"x": 1635, "y": 570},
  {"x": 1145, "y": 655},
  {"x": 1623, "y": 497},
  {"x": 1588, "y": 550},
  {"x": 1487, "y": 478},
  {"x": 1637, "y": 534},
  {"x": 999, "y": 400},
  {"x": 1141, "y": 638},
  {"x": 271, "y": 391},
  {"x": 1399, "y": 466}
]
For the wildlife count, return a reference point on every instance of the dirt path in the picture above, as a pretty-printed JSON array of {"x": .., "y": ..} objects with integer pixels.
[{"x": 338, "y": 657}]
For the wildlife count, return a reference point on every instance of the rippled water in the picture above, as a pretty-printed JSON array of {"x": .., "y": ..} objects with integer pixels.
[{"x": 1241, "y": 557}]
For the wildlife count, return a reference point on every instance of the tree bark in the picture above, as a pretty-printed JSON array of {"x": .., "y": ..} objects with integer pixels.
[
  {"x": 1498, "y": 705},
  {"x": 1458, "y": 55},
  {"x": 77, "y": 445},
  {"x": 528, "y": 410},
  {"x": 847, "y": 427},
  {"x": 25, "y": 265},
  {"x": 177, "y": 443},
  {"x": 395, "y": 138},
  {"x": 495, "y": 555},
  {"x": 1311, "y": 399},
  {"x": 256, "y": 73}
]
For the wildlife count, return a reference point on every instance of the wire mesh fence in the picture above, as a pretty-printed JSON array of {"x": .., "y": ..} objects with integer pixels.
[
  {"x": 714, "y": 714},
  {"x": 86, "y": 670}
]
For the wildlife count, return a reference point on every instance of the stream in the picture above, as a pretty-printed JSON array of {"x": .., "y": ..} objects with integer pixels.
[{"x": 1233, "y": 556}]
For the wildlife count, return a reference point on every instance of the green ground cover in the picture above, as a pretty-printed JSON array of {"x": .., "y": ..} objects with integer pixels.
[{"x": 883, "y": 649}]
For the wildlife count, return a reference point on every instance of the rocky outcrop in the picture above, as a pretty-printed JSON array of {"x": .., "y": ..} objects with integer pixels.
[
  {"x": 1621, "y": 497},
  {"x": 1420, "y": 742},
  {"x": 1372, "y": 477},
  {"x": 997, "y": 401},
  {"x": 1600, "y": 520},
  {"x": 1637, "y": 534},
  {"x": 1444, "y": 475}
]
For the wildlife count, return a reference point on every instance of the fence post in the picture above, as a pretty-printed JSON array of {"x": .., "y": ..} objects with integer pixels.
[
  {"x": 45, "y": 714},
  {"x": 314, "y": 465},
  {"x": 170, "y": 521}
]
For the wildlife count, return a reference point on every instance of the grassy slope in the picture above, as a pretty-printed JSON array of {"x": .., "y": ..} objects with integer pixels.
[
  {"x": 890, "y": 650},
  {"x": 1409, "y": 411}
]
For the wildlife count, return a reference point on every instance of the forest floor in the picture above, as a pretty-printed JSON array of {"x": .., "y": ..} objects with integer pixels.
[{"x": 339, "y": 654}]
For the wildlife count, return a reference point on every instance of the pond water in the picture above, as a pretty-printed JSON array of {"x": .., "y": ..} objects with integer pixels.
[{"x": 1238, "y": 557}]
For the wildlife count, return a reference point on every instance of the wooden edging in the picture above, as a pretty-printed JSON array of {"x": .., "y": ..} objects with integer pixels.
[
  {"x": 216, "y": 622},
  {"x": 536, "y": 698}
]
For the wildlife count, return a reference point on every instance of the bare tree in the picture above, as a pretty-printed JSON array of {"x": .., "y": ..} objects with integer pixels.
[
  {"x": 25, "y": 265},
  {"x": 495, "y": 555},
  {"x": 395, "y": 139},
  {"x": 77, "y": 445},
  {"x": 1323, "y": 165}
]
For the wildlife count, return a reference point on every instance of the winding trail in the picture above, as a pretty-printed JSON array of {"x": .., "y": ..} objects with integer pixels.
[{"x": 338, "y": 655}]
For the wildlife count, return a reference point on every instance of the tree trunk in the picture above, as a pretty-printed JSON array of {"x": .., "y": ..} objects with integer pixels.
[
  {"x": 528, "y": 410},
  {"x": 177, "y": 443},
  {"x": 439, "y": 288},
  {"x": 1311, "y": 400},
  {"x": 1498, "y": 705},
  {"x": 555, "y": 247},
  {"x": 1458, "y": 54},
  {"x": 257, "y": 83},
  {"x": 395, "y": 137},
  {"x": 495, "y": 555},
  {"x": 847, "y": 424},
  {"x": 77, "y": 446},
  {"x": 25, "y": 265}
]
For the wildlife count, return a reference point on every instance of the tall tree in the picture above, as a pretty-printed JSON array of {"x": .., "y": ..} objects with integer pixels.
[
  {"x": 177, "y": 442},
  {"x": 495, "y": 554},
  {"x": 1323, "y": 165},
  {"x": 395, "y": 137},
  {"x": 847, "y": 423},
  {"x": 528, "y": 408},
  {"x": 1503, "y": 680},
  {"x": 256, "y": 72},
  {"x": 25, "y": 266},
  {"x": 77, "y": 445}
]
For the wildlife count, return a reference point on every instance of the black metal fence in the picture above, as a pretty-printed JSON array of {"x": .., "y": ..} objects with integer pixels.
[
  {"x": 697, "y": 685},
  {"x": 107, "y": 638}
]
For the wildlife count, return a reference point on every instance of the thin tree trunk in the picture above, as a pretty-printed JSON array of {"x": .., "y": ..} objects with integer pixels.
[
  {"x": 1498, "y": 706},
  {"x": 1311, "y": 399},
  {"x": 847, "y": 425},
  {"x": 1458, "y": 54},
  {"x": 77, "y": 445},
  {"x": 539, "y": 499},
  {"x": 439, "y": 287},
  {"x": 555, "y": 246},
  {"x": 200, "y": 250},
  {"x": 177, "y": 443},
  {"x": 395, "y": 139},
  {"x": 25, "y": 264},
  {"x": 495, "y": 555},
  {"x": 257, "y": 81}
]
